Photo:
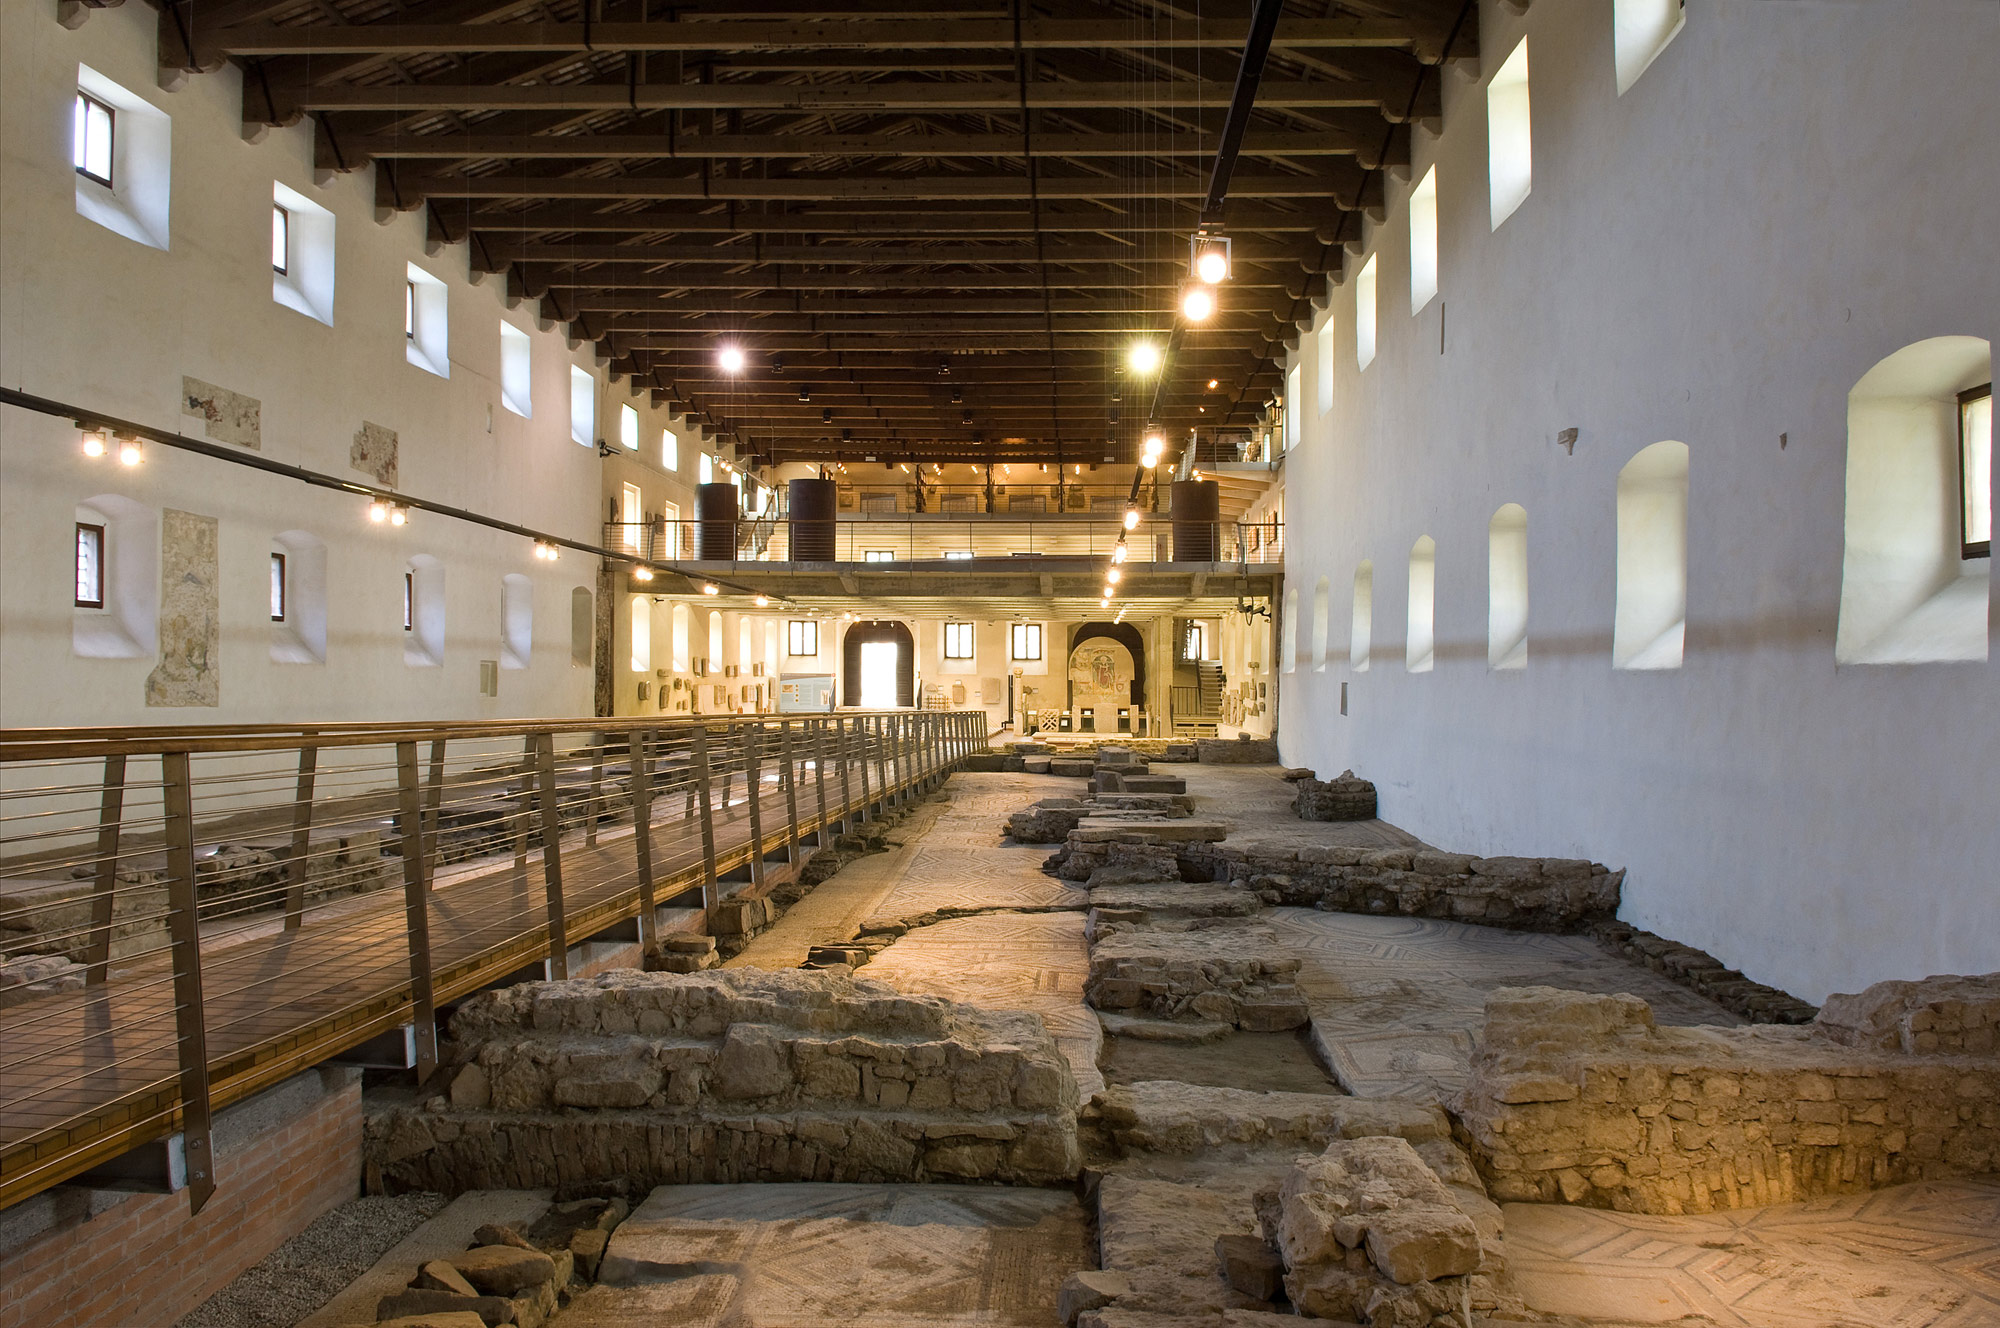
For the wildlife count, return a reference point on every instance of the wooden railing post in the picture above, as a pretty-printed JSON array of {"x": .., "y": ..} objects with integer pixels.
[
  {"x": 103, "y": 891},
  {"x": 754, "y": 785},
  {"x": 641, "y": 780},
  {"x": 862, "y": 738},
  {"x": 296, "y": 869},
  {"x": 701, "y": 794},
  {"x": 545, "y": 781},
  {"x": 184, "y": 934},
  {"x": 791, "y": 779},
  {"x": 416, "y": 907},
  {"x": 433, "y": 797}
]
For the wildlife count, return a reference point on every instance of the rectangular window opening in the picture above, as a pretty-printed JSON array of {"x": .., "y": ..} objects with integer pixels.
[
  {"x": 958, "y": 640},
  {"x": 89, "y": 566},
  {"x": 1197, "y": 641},
  {"x": 281, "y": 240},
  {"x": 277, "y": 587},
  {"x": 1509, "y": 144},
  {"x": 802, "y": 637},
  {"x": 628, "y": 428},
  {"x": 1975, "y": 472},
  {"x": 96, "y": 126},
  {"x": 670, "y": 450},
  {"x": 1424, "y": 241},
  {"x": 1025, "y": 641},
  {"x": 878, "y": 555},
  {"x": 409, "y": 601},
  {"x": 409, "y": 311},
  {"x": 517, "y": 383},
  {"x": 1364, "y": 314}
]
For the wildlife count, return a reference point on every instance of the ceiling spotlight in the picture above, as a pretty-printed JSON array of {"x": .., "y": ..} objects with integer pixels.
[
  {"x": 805, "y": 393},
  {"x": 1104, "y": 603},
  {"x": 826, "y": 416},
  {"x": 399, "y": 515},
  {"x": 965, "y": 417},
  {"x": 1150, "y": 460},
  {"x": 777, "y": 365},
  {"x": 1209, "y": 260},
  {"x": 1143, "y": 358},
  {"x": 1119, "y": 554},
  {"x": 642, "y": 574},
  {"x": 730, "y": 359},
  {"x": 1108, "y": 593},
  {"x": 957, "y": 395},
  {"x": 1155, "y": 444},
  {"x": 94, "y": 443},
  {"x": 711, "y": 589},
  {"x": 1197, "y": 304},
  {"x": 1131, "y": 518},
  {"x": 130, "y": 451},
  {"x": 378, "y": 511},
  {"x": 1214, "y": 383},
  {"x": 1112, "y": 575},
  {"x": 944, "y": 367},
  {"x": 763, "y": 601}
]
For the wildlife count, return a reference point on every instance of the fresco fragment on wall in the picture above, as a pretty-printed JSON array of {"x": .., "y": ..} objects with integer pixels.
[
  {"x": 227, "y": 417},
  {"x": 373, "y": 453},
  {"x": 1100, "y": 675},
  {"x": 189, "y": 671}
]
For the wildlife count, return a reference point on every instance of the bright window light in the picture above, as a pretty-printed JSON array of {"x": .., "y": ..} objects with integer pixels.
[
  {"x": 90, "y": 147},
  {"x": 516, "y": 371},
  {"x": 281, "y": 239},
  {"x": 1025, "y": 641},
  {"x": 425, "y": 311},
  {"x": 1323, "y": 371},
  {"x": 582, "y": 405},
  {"x": 1292, "y": 408},
  {"x": 1640, "y": 30},
  {"x": 1975, "y": 472},
  {"x": 958, "y": 640},
  {"x": 1424, "y": 241},
  {"x": 628, "y": 428},
  {"x": 1509, "y": 149},
  {"x": 670, "y": 449},
  {"x": 705, "y": 469},
  {"x": 1364, "y": 314}
]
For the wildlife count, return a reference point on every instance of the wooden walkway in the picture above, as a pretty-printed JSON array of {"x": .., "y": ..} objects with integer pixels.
[{"x": 88, "y": 1075}]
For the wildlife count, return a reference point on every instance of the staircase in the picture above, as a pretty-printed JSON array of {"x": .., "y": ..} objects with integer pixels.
[{"x": 1208, "y": 688}]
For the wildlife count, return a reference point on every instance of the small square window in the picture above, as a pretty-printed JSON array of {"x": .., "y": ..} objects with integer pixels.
[
  {"x": 277, "y": 587},
  {"x": 89, "y": 566},
  {"x": 802, "y": 637},
  {"x": 1025, "y": 641},
  {"x": 958, "y": 640},
  {"x": 956, "y": 555},
  {"x": 96, "y": 125},
  {"x": 281, "y": 239},
  {"x": 878, "y": 555},
  {"x": 1975, "y": 471}
]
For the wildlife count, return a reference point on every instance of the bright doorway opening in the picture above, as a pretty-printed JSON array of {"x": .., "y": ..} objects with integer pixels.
[{"x": 879, "y": 665}]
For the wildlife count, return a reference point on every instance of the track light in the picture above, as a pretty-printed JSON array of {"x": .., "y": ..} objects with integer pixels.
[
  {"x": 130, "y": 451},
  {"x": 1155, "y": 443},
  {"x": 826, "y": 416},
  {"x": 944, "y": 367},
  {"x": 399, "y": 515},
  {"x": 1208, "y": 258},
  {"x": 1112, "y": 575},
  {"x": 1143, "y": 357},
  {"x": 1131, "y": 518},
  {"x": 1197, "y": 304},
  {"x": 1119, "y": 554},
  {"x": 94, "y": 442},
  {"x": 711, "y": 589},
  {"x": 763, "y": 601},
  {"x": 805, "y": 393},
  {"x": 1214, "y": 383},
  {"x": 378, "y": 511},
  {"x": 730, "y": 359},
  {"x": 1150, "y": 460},
  {"x": 642, "y": 574}
]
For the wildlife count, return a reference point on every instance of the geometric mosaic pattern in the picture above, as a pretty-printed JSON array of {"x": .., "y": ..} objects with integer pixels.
[
  {"x": 1925, "y": 1255},
  {"x": 797, "y": 1256}
]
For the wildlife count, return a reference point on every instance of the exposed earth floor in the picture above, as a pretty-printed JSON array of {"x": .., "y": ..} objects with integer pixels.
[{"x": 1394, "y": 1003}]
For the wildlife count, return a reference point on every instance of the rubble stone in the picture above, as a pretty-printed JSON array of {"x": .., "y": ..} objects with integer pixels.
[
  {"x": 736, "y": 1075},
  {"x": 1167, "y": 1116},
  {"x": 1347, "y": 798},
  {"x": 1232, "y": 971},
  {"x": 1088, "y": 1290},
  {"x": 1250, "y": 1266},
  {"x": 1581, "y": 1099}
]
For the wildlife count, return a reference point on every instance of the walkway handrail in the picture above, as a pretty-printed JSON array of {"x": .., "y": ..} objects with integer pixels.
[{"x": 181, "y": 900}]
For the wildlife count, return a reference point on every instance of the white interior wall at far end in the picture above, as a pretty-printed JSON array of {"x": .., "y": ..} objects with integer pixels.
[
  {"x": 90, "y": 316},
  {"x": 1716, "y": 256}
]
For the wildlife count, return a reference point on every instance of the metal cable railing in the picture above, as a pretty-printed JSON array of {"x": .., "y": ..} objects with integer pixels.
[{"x": 188, "y": 915}]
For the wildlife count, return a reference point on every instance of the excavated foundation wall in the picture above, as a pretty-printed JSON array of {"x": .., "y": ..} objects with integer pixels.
[
  {"x": 1582, "y": 1099},
  {"x": 734, "y": 1075}
]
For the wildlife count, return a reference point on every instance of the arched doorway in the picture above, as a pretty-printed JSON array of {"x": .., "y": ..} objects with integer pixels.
[
  {"x": 1107, "y": 677},
  {"x": 878, "y": 666}
]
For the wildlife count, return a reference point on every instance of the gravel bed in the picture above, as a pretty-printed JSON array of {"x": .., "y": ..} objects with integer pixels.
[{"x": 309, "y": 1269}]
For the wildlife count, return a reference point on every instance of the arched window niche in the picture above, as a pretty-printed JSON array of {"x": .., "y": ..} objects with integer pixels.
[
  {"x": 1908, "y": 595},
  {"x": 1362, "y": 631},
  {"x": 1507, "y": 588},
  {"x": 127, "y": 626},
  {"x": 1420, "y": 640},
  {"x": 1291, "y": 635},
  {"x": 683, "y": 618},
  {"x": 1322, "y": 594},
  {"x": 300, "y": 636},
  {"x": 423, "y": 644},
  {"x": 1651, "y": 625},
  {"x": 582, "y": 627},
  {"x": 517, "y": 621}
]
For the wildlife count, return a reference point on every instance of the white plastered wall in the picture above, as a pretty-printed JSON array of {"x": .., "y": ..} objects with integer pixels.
[
  {"x": 1716, "y": 256},
  {"x": 90, "y": 316}
]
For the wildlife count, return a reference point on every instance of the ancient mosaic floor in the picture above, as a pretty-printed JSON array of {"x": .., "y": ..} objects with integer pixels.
[
  {"x": 1395, "y": 1000},
  {"x": 1916, "y": 1256},
  {"x": 798, "y": 1256}
]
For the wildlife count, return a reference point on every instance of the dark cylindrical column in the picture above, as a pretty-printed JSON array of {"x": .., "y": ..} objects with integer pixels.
[
  {"x": 812, "y": 521},
  {"x": 1197, "y": 516},
  {"x": 715, "y": 517}
]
